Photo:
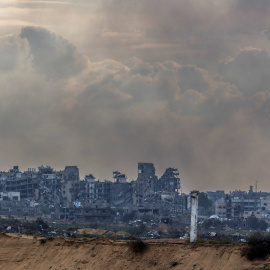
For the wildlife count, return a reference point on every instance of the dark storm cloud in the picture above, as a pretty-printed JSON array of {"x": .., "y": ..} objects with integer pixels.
[
  {"x": 191, "y": 77},
  {"x": 267, "y": 33},
  {"x": 52, "y": 55},
  {"x": 190, "y": 32},
  {"x": 251, "y": 6},
  {"x": 249, "y": 71},
  {"x": 12, "y": 52}
]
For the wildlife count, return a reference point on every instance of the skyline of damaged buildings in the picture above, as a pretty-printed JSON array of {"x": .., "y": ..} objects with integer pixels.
[
  {"x": 63, "y": 195},
  {"x": 72, "y": 197}
]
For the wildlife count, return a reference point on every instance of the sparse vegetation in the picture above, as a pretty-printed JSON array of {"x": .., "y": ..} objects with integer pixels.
[
  {"x": 211, "y": 223},
  {"x": 220, "y": 241},
  {"x": 42, "y": 241},
  {"x": 138, "y": 230},
  {"x": 137, "y": 245},
  {"x": 200, "y": 241},
  {"x": 34, "y": 227},
  {"x": 254, "y": 223},
  {"x": 205, "y": 205},
  {"x": 86, "y": 236},
  {"x": 258, "y": 246}
]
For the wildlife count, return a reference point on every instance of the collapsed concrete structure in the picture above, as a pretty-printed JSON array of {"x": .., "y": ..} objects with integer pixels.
[
  {"x": 148, "y": 185},
  {"x": 158, "y": 197}
]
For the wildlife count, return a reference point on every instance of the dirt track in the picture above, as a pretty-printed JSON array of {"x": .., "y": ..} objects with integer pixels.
[{"x": 19, "y": 252}]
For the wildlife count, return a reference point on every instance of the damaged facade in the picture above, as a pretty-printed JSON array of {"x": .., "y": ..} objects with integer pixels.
[{"x": 157, "y": 196}]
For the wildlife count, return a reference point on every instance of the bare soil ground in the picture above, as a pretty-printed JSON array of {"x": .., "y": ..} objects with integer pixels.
[{"x": 19, "y": 252}]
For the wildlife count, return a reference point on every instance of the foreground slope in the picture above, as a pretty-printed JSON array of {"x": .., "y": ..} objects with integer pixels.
[{"x": 21, "y": 252}]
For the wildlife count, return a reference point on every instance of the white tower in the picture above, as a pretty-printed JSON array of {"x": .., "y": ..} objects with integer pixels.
[{"x": 194, "y": 216}]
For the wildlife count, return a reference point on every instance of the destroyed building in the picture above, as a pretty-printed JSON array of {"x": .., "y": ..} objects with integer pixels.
[
  {"x": 121, "y": 191},
  {"x": 170, "y": 181},
  {"x": 11, "y": 195},
  {"x": 70, "y": 185},
  {"x": 49, "y": 186},
  {"x": 117, "y": 193},
  {"x": 119, "y": 177},
  {"x": 146, "y": 184},
  {"x": 14, "y": 180},
  {"x": 87, "y": 189},
  {"x": 157, "y": 196}
]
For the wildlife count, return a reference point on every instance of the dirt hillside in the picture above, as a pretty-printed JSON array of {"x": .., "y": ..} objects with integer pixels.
[{"x": 19, "y": 252}]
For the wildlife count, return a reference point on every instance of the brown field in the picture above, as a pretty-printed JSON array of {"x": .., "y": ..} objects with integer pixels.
[{"x": 22, "y": 252}]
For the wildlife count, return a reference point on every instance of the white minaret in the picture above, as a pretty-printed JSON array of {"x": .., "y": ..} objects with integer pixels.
[{"x": 194, "y": 216}]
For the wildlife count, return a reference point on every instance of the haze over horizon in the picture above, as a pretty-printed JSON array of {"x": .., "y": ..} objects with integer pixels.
[{"x": 107, "y": 84}]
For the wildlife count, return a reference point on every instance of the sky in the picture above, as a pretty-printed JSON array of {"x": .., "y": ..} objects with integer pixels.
[{"x": 107, "y": 84}]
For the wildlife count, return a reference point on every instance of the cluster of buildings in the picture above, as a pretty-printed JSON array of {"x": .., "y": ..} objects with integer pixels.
[
  {"x": 62, "y": 194},
  {"x": 239, "y": 205}
]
